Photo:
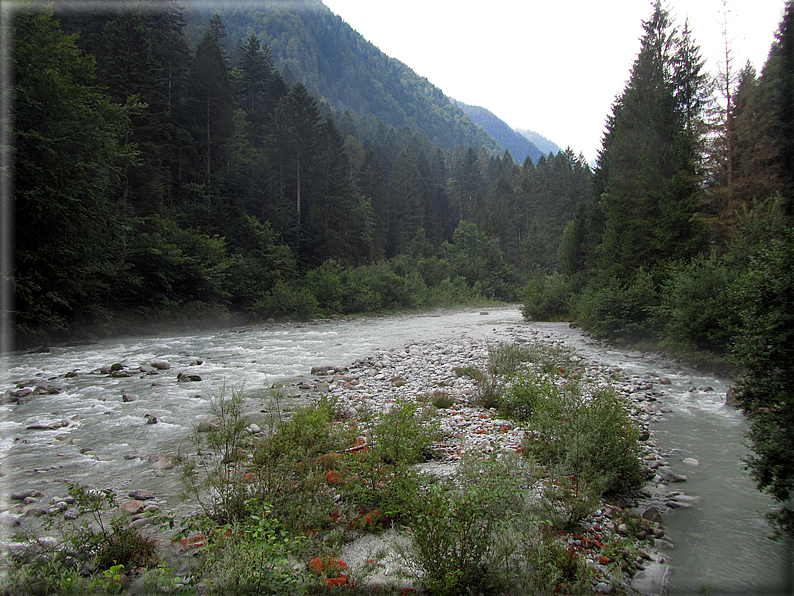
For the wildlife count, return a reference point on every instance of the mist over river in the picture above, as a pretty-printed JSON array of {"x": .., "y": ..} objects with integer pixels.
[{"x": 86, "y": 432}]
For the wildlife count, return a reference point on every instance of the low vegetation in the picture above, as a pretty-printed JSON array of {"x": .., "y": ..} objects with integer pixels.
[{"x": 276, "y": 509}]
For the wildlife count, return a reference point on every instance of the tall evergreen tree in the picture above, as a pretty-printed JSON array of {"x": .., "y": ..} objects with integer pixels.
[
  {"x": 72, "y": 232},
  {"x": 213, "y": 110},
  {"x": 645, "y": 169},
  {"x": 778, "y": 75},
  {"x": 258, "y": 86}
]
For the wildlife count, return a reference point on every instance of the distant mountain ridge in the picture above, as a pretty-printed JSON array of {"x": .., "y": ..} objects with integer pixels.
[
  {"x": 341, "y": 68},
  {"x": 541, "y": 142},
  {"x": 519, "y": 146}
]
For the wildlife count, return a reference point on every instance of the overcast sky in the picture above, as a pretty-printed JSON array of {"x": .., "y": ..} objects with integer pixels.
[{"x": 554, "y": 66}]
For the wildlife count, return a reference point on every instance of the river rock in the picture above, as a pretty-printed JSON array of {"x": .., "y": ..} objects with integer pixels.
[
  {"x": 25, "y": 494},
  {"x": 141, "y": 495},
  {"x": 160, "y": 365},
  {"x": 187, "y": 378},
  {"x": 668, "y": 475},
  {"x": 8, "y": 398},
  {"x": 150, "y": 418},
  {"x": 161, "y": 461},
  {"x": 691, "y": 461},
  {"x": 8, "y": 520},
  {"x": 652, "y": 514},
  {"x": 322, "y": 370},
  {"x": 665, "y": 381},
  {"x": 732, "y": 398},
  {"x": 207, "y": 427},
  {"x": 126, "y": 398},
  {"x": 634, "y": 354},
  {"x": 132, "y": 507}
]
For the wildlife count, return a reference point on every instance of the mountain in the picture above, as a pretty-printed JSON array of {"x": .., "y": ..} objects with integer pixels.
[
  {"x": 518, "y": 145},
  {"x": 541, "y": 142},
  {"x": 340, "y": 67}
]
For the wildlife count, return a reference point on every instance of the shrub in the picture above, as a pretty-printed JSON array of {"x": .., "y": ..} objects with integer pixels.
[
  {"x": 618, "y": 311},
  {"x": 696, "y": 310},
  {"x": 472, "y": 372},
  {"x": 525, "y": 395},
  {"x": 400, "y": 437},
  {"x": 590, "y": 439},
  {"x": 85, "y": 557},
  {"x": 213, "y": 477},
  {"x": 504, "y": 359},
  {"x": 285, "y": 300},
  {"x": 459, "y": 529},
  {"x": 546, "y": 298},
  {"x": 250, "y": 557}
]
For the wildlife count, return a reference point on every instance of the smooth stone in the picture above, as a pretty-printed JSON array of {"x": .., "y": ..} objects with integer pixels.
[
  {"x": 160, "y": 365},
  {"x": 141, "y": 495},
  {"x": 665, "y": 381},
  {"x": 691, "y": 461},
  {"x": 132, "y": 507}
]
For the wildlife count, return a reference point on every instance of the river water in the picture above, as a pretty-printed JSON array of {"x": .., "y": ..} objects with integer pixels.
[{"x": 86, "y": 433}]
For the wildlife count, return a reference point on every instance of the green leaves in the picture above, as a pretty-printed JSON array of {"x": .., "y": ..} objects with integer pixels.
[{"x": 765, "y": 348}]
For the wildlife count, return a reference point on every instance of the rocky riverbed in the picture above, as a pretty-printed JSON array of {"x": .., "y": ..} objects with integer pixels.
[{"x": 374, "y": 383}]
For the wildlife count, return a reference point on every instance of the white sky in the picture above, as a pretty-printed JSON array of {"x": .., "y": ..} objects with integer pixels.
[{"x": 552, "y": 66}]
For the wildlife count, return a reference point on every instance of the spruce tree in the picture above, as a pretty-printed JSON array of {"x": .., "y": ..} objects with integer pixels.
[{"x": 645, "y": 177}]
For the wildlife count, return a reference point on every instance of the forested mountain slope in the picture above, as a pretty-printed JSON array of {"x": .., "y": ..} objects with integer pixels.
[
  {"x": 518, "y": 145},
  {"x": 341, "y": 68},
  {"x": 545, "y": 145}
]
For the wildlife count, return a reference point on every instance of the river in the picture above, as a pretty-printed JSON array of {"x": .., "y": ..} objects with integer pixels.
[{"x": 87, "y": 433}]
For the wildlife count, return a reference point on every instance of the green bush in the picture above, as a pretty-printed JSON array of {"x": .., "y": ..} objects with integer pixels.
[
  {"x": 592, "y": 439},
  {"x": 401, "y": 437},
  {"x": 87, "y": 556},
  {"x": 525, "y": 395},
  {"x": 621, "y": 312},
  {"x": 504, "y": 359},
  {"x": 547, "y": 298},
  {"x": 213, "y": 476},
  {"x": 460, "y": 528},
  {"x": 253, "y": 556},
  {"x": 286, "y": 300},
  {"x": 696, "y": 310}
]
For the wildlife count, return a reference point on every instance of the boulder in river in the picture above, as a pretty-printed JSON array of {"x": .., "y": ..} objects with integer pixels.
[
  {"x": 732, "y": 398},
  {"x": 160, "y": 365},
  {"x": 322, "y": 370},
  {"x": 187, "y": 378}
]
